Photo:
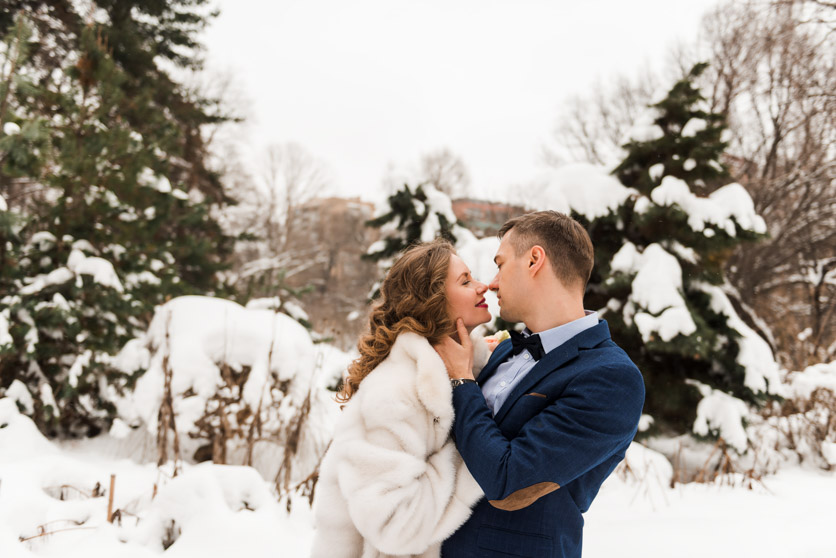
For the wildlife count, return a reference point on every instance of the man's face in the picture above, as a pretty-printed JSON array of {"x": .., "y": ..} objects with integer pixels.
[{"x": 511, "y": 281}]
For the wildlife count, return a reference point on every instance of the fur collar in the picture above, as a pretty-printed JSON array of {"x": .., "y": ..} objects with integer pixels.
[{"x": 432, "y": 384}]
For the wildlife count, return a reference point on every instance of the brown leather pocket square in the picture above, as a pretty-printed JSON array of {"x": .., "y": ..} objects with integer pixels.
[{"x": 533, "y": 394}]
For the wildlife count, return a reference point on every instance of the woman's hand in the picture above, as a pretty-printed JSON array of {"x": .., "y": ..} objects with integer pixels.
[{"x": 457, "y": 356}]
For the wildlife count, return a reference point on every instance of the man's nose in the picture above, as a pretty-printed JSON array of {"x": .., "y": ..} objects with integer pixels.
[{"x": 494, "y": 284}]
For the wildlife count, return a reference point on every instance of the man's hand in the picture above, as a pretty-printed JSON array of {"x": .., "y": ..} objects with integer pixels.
[{"x": 457, "y": 355}]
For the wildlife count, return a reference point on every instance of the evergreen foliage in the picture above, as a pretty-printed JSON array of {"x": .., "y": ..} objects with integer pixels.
[
  {"x": 683, "y": 148},
  {"x": 111, "y": 202},
  {"x": 406, "y": 221},
  {"x": 414, "y": 214}
]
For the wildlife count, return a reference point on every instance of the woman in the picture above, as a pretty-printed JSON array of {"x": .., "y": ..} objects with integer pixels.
[{"x": 392, "y": 482}]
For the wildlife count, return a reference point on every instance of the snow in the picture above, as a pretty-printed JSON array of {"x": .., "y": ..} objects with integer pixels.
[
  {"x": 84, "y": 246},
  {"x": 160, "y": 183},
  {"x": 729, "y": 208},
  {"x": 295, "y": 311},
  {"x": 136, "y": 279},
  {"x": 196, "y": 337},
  {"x": 46, "y": 396},
  {"x": 119, "y": 429},
  {"x": 18, "y": 392},
  {"x": 656, "y": 292},
  {"x": 645, "y": 128},
  {"x": 656, "y": 171},
  {"x": 438, "y": 203},
  {"x": 5, "y": 337},
  {"x": 376, "y": 246},
  {"x": 693, "y": 127},
  {"x": 740, "y": 206},
  {"x": 227, "y": 510},
  {"x": 101, "y": 269},
  {"x": 3, "y": 205},
  {"x": 762, "y": 372},
  {"x": 790, "y": 514},
  {"x": 78, "y": 366},
  {"x": 268, "y": 303},
  {"x": 720, "y": 413},
  {"x": 207, "y": 510},
  {"x": 581, "y": 187},
  {"x": 42, "y": 239},
  {"x": 11, "y": 128},
  {"x": 802, "y": 384},
  {"x": 829, "y": 452}
]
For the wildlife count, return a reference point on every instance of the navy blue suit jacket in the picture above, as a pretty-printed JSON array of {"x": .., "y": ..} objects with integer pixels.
[{"x": 543, "y": 457}]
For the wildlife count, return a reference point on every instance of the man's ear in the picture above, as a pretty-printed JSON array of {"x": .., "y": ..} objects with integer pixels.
[{"x": 536, "y": 259}]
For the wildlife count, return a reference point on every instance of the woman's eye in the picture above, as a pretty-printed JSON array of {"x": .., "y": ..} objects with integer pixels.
[{"x": 466, "y": 281}]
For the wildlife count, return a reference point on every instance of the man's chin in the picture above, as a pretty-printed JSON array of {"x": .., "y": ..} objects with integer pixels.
[{"x": 508, "y": 316}]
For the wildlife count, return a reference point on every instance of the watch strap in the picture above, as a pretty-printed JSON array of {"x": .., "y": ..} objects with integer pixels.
[{"x": 456, "y": 382}]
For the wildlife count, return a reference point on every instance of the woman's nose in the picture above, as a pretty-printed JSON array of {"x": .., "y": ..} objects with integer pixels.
[{"x": 481, "y": 288}]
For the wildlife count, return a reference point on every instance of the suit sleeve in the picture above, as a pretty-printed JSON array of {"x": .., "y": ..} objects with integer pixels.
[
  {"x": 597, "y": 413},
  {"x": 399, "y": 498}
]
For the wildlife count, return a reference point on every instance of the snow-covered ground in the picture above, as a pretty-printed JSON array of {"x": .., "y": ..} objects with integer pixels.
[
  {"x": 223, "y": 510},
  {"x": 789, "y": 515}
]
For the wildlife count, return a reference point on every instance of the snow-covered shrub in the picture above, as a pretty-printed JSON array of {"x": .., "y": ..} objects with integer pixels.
[
  {"x": 801, "y": 427},
  {"x": 234, "y": 385}
]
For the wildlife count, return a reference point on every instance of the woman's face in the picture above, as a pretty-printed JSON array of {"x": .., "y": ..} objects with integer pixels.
[{"x": 465, "y": 295}]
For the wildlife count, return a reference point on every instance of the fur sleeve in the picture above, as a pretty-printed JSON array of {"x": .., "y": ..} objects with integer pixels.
[
  {"x": 465, "y": 495},
  {"x": 399, "y": 498}
]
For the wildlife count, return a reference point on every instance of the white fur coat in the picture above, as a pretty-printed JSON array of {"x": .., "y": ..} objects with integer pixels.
[{"x": 392, "y": 482}]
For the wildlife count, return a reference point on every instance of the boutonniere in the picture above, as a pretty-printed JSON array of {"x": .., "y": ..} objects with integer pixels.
[
  {"x": 496, "y": 339},
  {"x": 501, "y": 335}
]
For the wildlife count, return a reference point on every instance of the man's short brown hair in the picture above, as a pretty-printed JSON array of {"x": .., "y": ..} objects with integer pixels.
[{"x": 566, "y": 243}]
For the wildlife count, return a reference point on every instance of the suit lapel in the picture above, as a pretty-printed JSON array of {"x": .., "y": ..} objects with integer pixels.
[{"x": 552, "y": 361}]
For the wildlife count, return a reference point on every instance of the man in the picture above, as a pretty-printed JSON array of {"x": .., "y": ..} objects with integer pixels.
[{"x": 554, "y": 409}]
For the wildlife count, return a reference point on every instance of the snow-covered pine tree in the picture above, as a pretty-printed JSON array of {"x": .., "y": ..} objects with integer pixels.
[
  {"x": 659, "y": 270},
  {"x": 412, "y": 214},
  {"x": 107, "y": 175}
]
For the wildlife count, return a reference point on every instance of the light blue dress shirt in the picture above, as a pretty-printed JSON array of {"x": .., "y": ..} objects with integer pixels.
[{"x": 511, "y": 372}]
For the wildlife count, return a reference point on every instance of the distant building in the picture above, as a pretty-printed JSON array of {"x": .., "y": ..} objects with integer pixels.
[
  {"x": 333, "y": 230},
  {"x": 484, "y": 218}
]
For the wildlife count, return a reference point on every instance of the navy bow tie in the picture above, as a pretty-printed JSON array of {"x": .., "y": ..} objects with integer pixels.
[{"x": 532, "y": 343}]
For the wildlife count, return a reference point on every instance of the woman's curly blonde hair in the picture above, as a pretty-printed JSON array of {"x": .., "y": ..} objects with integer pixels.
[{"x": 413, "y": 298}]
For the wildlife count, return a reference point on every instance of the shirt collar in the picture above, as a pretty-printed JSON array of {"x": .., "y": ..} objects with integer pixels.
[{"x": 556, "y": 336}]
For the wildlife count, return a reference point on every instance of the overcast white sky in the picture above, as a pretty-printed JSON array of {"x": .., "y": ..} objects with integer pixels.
[{"x": 364, "y": 83}]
